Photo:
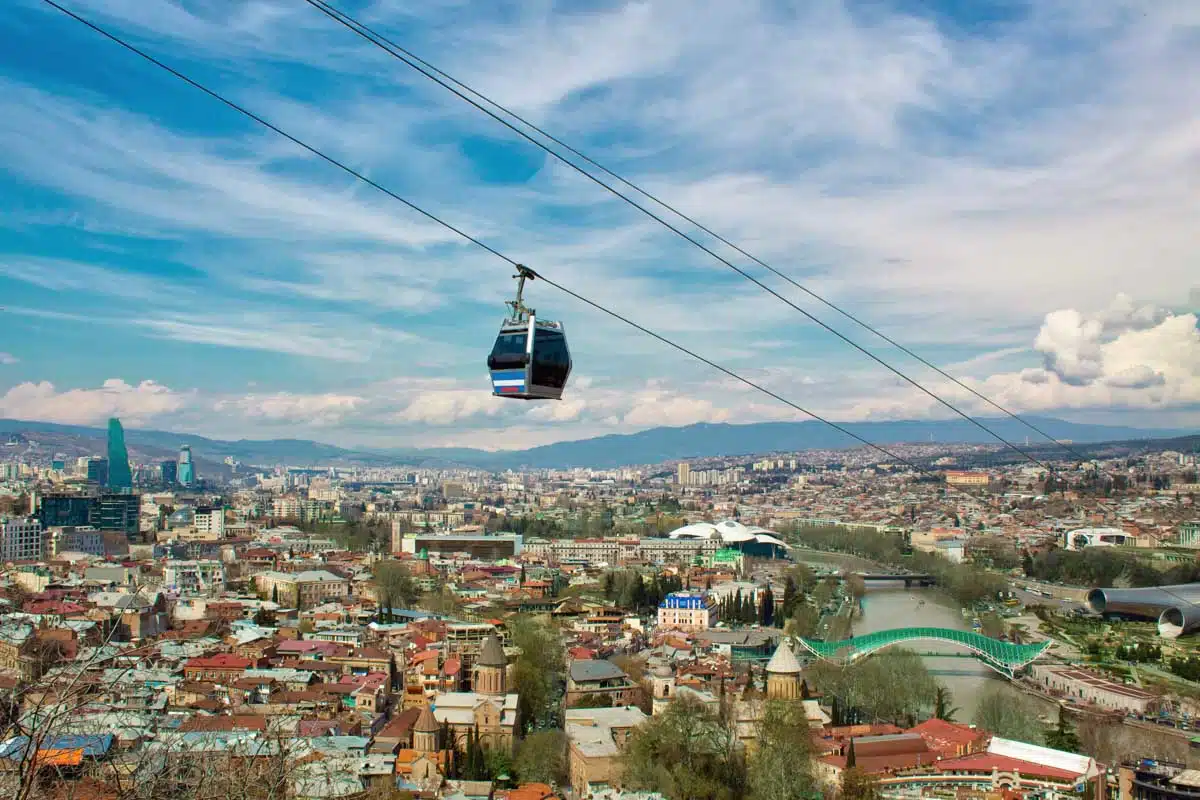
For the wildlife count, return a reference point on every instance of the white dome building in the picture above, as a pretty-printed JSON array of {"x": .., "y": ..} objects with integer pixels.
[{"x": 751, "y": 540}]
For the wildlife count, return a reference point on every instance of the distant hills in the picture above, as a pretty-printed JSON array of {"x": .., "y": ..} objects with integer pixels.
[{"x": 645, "y": 447}]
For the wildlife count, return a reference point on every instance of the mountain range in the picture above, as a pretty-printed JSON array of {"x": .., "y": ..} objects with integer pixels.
[{"x": 645, "y": 447}]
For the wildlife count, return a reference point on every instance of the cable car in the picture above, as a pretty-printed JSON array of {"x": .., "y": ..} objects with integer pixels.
[{"x": 530, "y": 360}]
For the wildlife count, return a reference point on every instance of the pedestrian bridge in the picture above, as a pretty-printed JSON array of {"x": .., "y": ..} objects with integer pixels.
[{"x": 1004, "y": 657}]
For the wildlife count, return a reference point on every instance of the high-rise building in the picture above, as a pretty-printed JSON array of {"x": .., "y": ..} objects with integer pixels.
[
  {"x": 185, "y": 472},
  {"x": 684, "y": 474},
  {"x": 170, "y": 472},
  {"x": 119, "y": 512},
  {"x": 119, "y": 475},
  {"x": 97, "y": 471}
]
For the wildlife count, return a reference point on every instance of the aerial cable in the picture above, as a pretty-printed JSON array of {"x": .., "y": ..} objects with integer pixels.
[
  {"x": 512, "y": 262},
  {"x": 450, "y": 83}
]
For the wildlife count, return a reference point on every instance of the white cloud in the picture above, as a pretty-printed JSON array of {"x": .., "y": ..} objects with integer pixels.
[
  {"x": 115, "y": 398},
  {"x": 7, "y": 359},
  {"x": 313, "y": 409}
]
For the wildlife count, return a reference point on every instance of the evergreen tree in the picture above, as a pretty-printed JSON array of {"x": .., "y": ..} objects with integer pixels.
[
  {"x": 789, "y": 596},
  {"x": 768, "y": 608},
  {"x": 1062, "y": 736},
  {"x": 610, "y": 583},
  {"x": 851, "y": 761}
]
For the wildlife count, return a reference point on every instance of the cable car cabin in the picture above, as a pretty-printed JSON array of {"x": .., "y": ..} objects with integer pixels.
[{"x": 530, "y": 360}]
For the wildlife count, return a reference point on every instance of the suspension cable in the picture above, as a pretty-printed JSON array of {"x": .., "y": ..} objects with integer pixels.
[
  {"x": 450, "y": 83},
  {"x": 512, "y": 262}
]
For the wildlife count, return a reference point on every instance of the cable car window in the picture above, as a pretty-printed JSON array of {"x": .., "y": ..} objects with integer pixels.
[
  {"x": 509, "y": 351},
  {"x": 551, "y": 360}
]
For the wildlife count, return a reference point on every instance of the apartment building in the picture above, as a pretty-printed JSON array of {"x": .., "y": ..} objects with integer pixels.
[
  {"x": 22, "y": 540},
  {"x": 194, "y": 577}
]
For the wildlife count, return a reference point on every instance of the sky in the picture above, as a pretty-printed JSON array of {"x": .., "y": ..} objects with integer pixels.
[{"x": 1010, "y": 189}]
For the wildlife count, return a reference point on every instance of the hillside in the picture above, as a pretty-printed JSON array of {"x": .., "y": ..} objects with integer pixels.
[{"x": 645, "y": 447}]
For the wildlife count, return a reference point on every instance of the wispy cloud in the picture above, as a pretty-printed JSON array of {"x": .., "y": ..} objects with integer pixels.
[{"x": 915, "y": 165}]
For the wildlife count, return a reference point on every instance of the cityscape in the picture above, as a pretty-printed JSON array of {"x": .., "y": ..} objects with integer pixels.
[
  {"x": 599, "y": 400},
  {"x": 349, "y": 631}
]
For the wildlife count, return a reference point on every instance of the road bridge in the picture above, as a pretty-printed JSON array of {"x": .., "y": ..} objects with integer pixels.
[
  {"x": 1004, "y": 657},
  {"x": 908, "y": 578}
]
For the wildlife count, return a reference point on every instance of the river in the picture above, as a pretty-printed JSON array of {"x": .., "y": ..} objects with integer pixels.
[{"x": 888, "y": 606}]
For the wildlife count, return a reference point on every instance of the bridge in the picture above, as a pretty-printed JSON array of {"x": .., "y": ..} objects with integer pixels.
[
  {"x": 1004, "y": 657},
  {"x": 908, "y": 578}
]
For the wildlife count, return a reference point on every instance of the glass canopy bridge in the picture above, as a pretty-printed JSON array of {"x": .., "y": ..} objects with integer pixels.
[{"x": 1004, "y": 657}]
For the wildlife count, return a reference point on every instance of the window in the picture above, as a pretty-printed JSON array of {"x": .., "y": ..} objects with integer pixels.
[
  {"x": 509, "y": 351},
  {"x": 551, "y": 359}
]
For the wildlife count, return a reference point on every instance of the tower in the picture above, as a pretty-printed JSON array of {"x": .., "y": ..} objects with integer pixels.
[
  {"x": 783, "y": 674},
  {"x": 425, "y": 732},
  {"x": 185, "y": 472},
  {"x": 491, "y": 667},
  {"x": 119, "y": 476}
]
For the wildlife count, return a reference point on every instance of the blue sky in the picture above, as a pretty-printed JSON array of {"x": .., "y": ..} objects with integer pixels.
[{"x": 1009, "y": 188}]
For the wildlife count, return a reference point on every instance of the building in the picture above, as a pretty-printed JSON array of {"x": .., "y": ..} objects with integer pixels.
[
  {"x": 96, "y": 470},
  {"x": 194, "y": 577},
  {"x": 783, "y": 674},
  {"x": 68, "y": 510},
  {"x": 589, "y": 681},
  {"x": 210, "y": 522},
  {"x": 1081, "y": 686},
  {"x": 83, "y": 539},
  {"x": 1189, "y": 534},
  {"x": 752, "y": 541},
  {"x": 595, "y": 739},
  {"x": 22, "y": 540},
  {"x": 687, "y": 611},
  {"x": 301, "y": 589},
  {"x": 120, "y": 512},
  {"x": 1080, "y": 538},
  {"x": 170, "y": 471},
  {"x": 223, "y": 667},
  {"x": 491, "y": 710},
  {"x": 683, "y": 474},
  {"x": 1151, "y": 779},
  {"x": 185, "y": 471},
  {"x": 119, "y": 475},
  {"x": 964, "y": 478},
  {"x": 613, "y": 550},
  {"x": 486, "y": 547}
]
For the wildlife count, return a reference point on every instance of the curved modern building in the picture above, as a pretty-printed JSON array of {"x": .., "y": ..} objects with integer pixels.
[
  {"x": 1176, "y": 608},
  {"x": 1080, "y": 538},
  {"x": 752, "y": 541}
]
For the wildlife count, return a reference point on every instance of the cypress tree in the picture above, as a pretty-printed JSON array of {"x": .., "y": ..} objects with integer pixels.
[{"x": 850, "y": 759}]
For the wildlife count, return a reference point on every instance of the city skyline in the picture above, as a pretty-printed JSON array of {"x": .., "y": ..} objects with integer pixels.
[{"x": 936, "y": 185}]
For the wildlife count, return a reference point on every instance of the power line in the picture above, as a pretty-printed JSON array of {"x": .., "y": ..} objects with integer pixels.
[
  {"x": 512, "y": 262},
  {"x": 445, "y": 80}
]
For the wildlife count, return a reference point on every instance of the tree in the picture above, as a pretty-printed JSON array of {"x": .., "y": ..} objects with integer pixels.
[
  {"x": 943, "y": 707},
  {"x": 1010, "y": 715},
  {"x": 851, "y": 759},
  {"x": 540, "y": 671},
  {"x": 686, "y": 753},
  {"x": 542, "y": 758},
  {"x": 768, "y": 608},
  {"x": 1062, "y": 736},
  {"x": 856, "y": 587},
  {"x": 781, "y": 766},
  {"x": 393, "y": 585},
  {"x": 859, "y": 785},
  {"x": 264, "y": 617}
]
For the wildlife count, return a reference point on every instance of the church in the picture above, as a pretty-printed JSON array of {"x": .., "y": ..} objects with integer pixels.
[{"x": 490, "y": 709}]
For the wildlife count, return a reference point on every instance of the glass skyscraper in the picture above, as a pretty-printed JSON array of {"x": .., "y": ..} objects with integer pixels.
[
  {"x": 169, "y": 472},
  {"x": 186, "y": 473},
  {"x": 119, "y": 475}
]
